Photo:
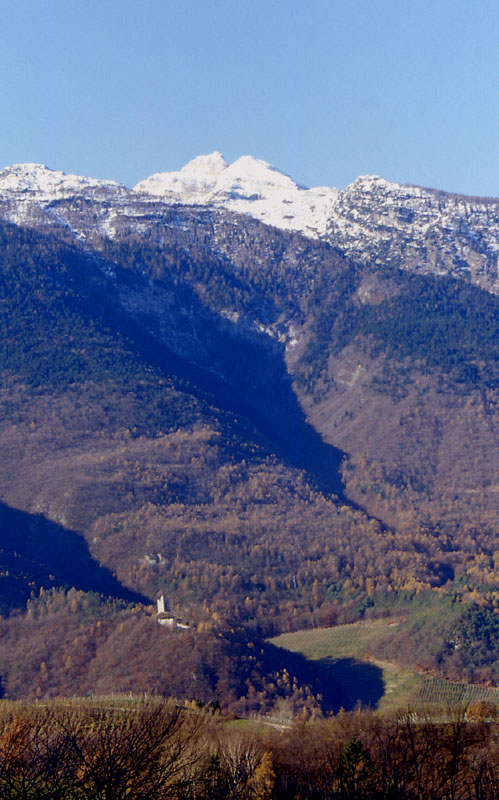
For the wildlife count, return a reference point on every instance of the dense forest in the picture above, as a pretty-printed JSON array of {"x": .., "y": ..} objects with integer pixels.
[{"x": 260, "y": 429}]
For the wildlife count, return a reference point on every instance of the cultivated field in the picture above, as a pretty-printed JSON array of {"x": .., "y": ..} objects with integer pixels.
[{"x": 379, "y": 684}]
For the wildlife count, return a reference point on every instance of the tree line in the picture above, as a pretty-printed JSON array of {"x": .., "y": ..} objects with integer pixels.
[{"x": 135, "y": 748}]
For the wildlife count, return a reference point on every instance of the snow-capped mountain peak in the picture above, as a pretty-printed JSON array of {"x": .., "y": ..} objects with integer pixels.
[
  {"x": 212, "y": 164},
  {"x": 256, "y": 169},
  {"x": 367, "y": 182},
  {"x": 195, "y": 181},
  {"x": 247, "y": 186}
]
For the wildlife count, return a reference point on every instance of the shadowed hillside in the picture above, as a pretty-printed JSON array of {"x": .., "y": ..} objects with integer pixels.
[
  {"x": 36, "y": 552},
  {"x": 148, "y": 406}
]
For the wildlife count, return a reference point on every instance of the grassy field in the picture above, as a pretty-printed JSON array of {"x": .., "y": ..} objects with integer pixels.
[{"x": 379, "y": 684}]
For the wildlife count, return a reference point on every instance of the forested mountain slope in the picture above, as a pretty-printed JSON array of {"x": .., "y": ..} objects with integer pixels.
[{"x": 241, "y": 417}]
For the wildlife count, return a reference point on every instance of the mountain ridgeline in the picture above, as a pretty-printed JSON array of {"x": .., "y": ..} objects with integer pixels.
[{"x": 273, "y": 429}]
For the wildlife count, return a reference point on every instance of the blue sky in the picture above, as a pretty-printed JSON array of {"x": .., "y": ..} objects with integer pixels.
[{"x": 324, "y": 89}]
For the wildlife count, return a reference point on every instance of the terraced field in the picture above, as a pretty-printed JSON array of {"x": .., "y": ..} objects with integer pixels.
[{"x": 379, "y": 684}]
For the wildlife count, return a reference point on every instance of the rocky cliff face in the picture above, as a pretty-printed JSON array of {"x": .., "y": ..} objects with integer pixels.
[{"x": 422, "y": 230}]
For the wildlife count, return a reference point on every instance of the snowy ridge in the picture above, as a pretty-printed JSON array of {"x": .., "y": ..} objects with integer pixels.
[
  {"x": 28, "y": 191},
  {"x": 47, "y": 183},
  {"x": 373, "y": 221},
  {"x": 247, "y": 186}
]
